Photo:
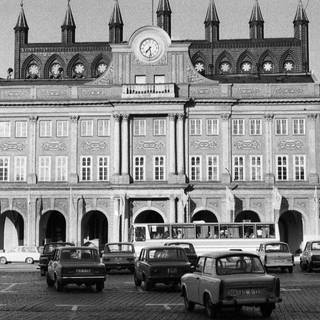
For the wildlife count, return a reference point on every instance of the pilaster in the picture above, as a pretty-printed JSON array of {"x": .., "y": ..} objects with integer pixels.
[
  {"x": 116, "y": 148},
  {"x": 226, "y": 149},
  {"x": 313, "y": 176},
  {"x": 73, "y": 172},
  {"x": 269, "y": 175},
  {"x": 125, "y": 179},
  {"x": 32, "y": 176}
]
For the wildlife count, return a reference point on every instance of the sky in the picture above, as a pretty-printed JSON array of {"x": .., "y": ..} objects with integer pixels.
[{"x": 45, "y": 17}]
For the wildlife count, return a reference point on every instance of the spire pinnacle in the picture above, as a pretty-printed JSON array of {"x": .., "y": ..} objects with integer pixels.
[
  {"x": 68, "y": 19},
  {"x": 164, "y": 6},
  {"x": 212, "y": 15},
  {"x": 116, "y": 17},
  {"x": 256, "y": 15},
  {"x": 301, "y": 14},
  {"x": 22, "y": 21}
]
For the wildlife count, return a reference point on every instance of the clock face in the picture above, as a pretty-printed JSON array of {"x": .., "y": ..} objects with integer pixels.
[
  {"x": 79, "y": 68},
  {"x": 33, "y": 69},
  {"x": 149, "y": 48},
  {"x": 102, "y": 67},
  {"x": 56, "y": 69}
]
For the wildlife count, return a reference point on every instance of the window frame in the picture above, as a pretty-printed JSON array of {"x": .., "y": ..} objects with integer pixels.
[
  {"x": 238, "y": 127},
  {"x": 303, "y": 167},
  {"x": 5, "y": 169},
  {"x": 195, "y": 127},
  {"x": 212, "y": 132},
  {"x": 105, "y": 129},
  {"x": 241, "y": 168},
  {"x": 213, "y": 167},
  {"x": 86, "y": 167},
  {"x": 162, "y": 128},
  {"x": 21, "y": 130},
  {"x": 44, "y": 171},
  {"x": 20, "y": 170},
  {"x": 105, "y": 168},
  {"x": 159, "y": 167},
  {"x": 284, "y": 156},
  {"x": 195, "y": 167},
  {"x": 283, "y": 130},
  {"x": 139, "y": 167},
  {"x": 61, "y": 170},
  {"x": 86, "y": 127},
  {"x": 254, "y": 129},
  {"x": 258, "y": 168},
  {"x": 45, "y": 128},
  {"x": 138, "y": 130},
  {"x": 62, "y": 128},
  {"x": 301, "y": 128}
]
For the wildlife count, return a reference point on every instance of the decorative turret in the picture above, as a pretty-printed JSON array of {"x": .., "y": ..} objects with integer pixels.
[
  {"x": 301, "y": 32},
  {"x": 256, "y": 22},
  {"x": 116, "y": 25},
  {"x": 212, "y": 23},
  {"x": 68, "y": 27},
  {"x": 164, "y": 16},
  {"x": 21, "y": 30}
]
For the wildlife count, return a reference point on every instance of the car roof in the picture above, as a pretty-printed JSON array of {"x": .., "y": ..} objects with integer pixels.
[
  {"x": 218, "y": 254},
  {"x": 173, "y": 243},
  {"x": 77, "y": 248},
  {"x": 59, "y": 243},
  {"x": 163, "y": 247},
  {"x": 274, "y": 242},
  {"x": 119, "y": 243}
]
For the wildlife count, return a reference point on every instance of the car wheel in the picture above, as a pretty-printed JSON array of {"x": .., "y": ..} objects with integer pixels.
[
  {"x": 29, "y": 260},
  {"x": 189, "y": 305},
  {"x": 58, "y": 285},
  {"x": 137, "y": 281},
  {"x": 42, "y": 272},
  {"x": 290, "y": 269},
  {"x": 50, "y": 282},
  {"x": 302, "y": 266},
  {"x": 147, "y": 285},
  {"x": 99, "y": 286},
  {"x": 309, "y": 267},
  {"x": 266, "y": 309},
  {"x": 3, "y": 260},
  {"x": 210, "y": 308}
]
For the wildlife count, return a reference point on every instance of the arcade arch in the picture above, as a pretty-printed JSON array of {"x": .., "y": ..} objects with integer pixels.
[
  {"x": 247, "y": 216},
  {"x": 52, "y": 227},
  {"x": 149, "y": 216},
  {"x": 204, "y": 215}
]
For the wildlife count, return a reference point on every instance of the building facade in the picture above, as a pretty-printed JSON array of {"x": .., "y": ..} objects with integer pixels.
[{"x": 97, "y": 136}]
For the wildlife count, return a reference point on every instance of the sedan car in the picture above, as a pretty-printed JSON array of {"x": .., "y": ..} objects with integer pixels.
[
  {"x": 47, "y": 253},
  {"x": 310, "y": 256},
  {"x": 165, "y": 264},
  {"x": 230, "y": 279},
  {"x": 276, "y": 255},
  {"x": 188, "y": 248},
  {"x": 79, "y": 265},
  {"x": 119, "y": 255},
  {"x": 28, "y": 254}
]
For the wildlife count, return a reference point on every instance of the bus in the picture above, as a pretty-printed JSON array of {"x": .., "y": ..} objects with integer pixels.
[{"x": 204, "y": 236}]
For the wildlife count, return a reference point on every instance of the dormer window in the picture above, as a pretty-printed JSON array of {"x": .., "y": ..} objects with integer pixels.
[
  {"x": 33, "y": 71},
  {"x": 225, "y": 67},
  {"x": 268, "y": 66}
]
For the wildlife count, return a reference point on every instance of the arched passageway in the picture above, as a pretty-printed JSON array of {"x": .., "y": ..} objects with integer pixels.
[
  {"x": 148, "y": 216},
  {"x": 52, "y": 227},
  {"x": 11, "y": 230},
  {"x": 291, "y": 229},
  {"x": 247, "y": 216},
  {"x": 204, "y": 215}
]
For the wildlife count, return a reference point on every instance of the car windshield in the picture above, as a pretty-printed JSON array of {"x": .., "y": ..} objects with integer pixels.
[
  {"x": 76, "y": 254},
  {"x": 172, "y": 254},
  {"x": 237, "y": 264},
  {"x": 119, "y": 247},
  {"x": 186, "y": 246},
  {"x": 277, "y": 247},
  {"x": 315, "y": 245}
]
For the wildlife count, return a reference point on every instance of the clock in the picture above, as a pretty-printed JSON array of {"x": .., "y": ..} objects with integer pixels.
[
  {"x": 79, "y": 68},
  {"x": 33, "y": 69},
  {"x": 149, "y": 48}
]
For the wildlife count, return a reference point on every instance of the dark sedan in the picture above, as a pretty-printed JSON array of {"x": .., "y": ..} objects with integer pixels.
[
  {"x": 78, "y": 265},
  {"x": 161, "y": 265},
  {"x": 47, "y": 254},
  {"x": 188, "y": 248}
]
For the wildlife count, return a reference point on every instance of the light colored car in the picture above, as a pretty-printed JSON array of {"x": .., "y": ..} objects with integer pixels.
[
  {"x": 28, "y": 254},
  {"x": 310, "y": 256},
  {"x": 274, "y": 254},
  {"x": 230, "y": 279}
]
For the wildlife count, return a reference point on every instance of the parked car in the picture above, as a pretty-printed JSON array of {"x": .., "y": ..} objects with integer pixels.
[
  {"x": 119, "y": 255},
  {"x": 79, "y": 265},
  {"x": 47, "y": 253},
  {"x": 28, "y": 254},
  {"x": 188, "y": 248},
  {"x": 165, "y": 264},
  {"x": 276, "y": 255},
  {"x": 310, "y": 256},
  {"x": 230, "y": 279}
]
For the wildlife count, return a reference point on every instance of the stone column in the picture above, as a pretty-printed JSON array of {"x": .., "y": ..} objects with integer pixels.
[
  {"x": 226, "y": 149},
  {"x": 312, "y": 159},
  {"x": 180, "y": 211},
  {"x": 31, "y": 221},
  {"x": 73, "y": 219},
  {"x": 116, "y": 214},
  {"x": 116, "y": 145},
  {"x": 180, "y": 145},
  {"x": 125, "y": 149},
  {"x": 172, "y": 209},
  {"x": 73, "y": 171},
  {"x": 32, "y": 134},
  {"x": 269, "y": 175},
  {"x": 172, "y": 145}
]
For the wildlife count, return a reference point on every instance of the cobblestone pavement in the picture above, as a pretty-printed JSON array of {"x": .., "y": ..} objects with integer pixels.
[{"x": 24, "y": 295}]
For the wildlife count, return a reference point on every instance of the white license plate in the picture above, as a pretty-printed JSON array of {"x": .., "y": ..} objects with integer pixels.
[
  {"x": 245, "y": 292},
  {"x": 83, "y": 270}
]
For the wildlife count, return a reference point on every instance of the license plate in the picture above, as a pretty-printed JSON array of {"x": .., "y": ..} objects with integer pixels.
[
  {"x": 172, "y": 270},
  {"x": 245, "y": 292},
  {"x": 83, "y": 270}
]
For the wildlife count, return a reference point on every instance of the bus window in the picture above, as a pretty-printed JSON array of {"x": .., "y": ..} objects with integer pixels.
[
  {"x": 235, "y": 231},
  {"x": 267, "y": 230},
  {"x": 183, "y": 232},
  {"x": 140, "y": 233},
  {"x": 249, "y": 231},
  {"x": 159, "y": 232}
]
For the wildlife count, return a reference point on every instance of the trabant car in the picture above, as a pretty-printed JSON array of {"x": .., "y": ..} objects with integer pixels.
[
  {"x": 47, "y": 253},
  {"x": 165, "y": 264},
  {"x": 310, "y": 256},
  {"x": 78, "y": 265},
  {"x": 230, "y": 279},
  {"x": 276, "y": 255},
  {"x": 188, "y": 248},
  {"x": 28, "y": 254},
  {"x": 119, "y": 255}
]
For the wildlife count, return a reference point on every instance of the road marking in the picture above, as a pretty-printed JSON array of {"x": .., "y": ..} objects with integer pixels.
[
  {"x": 74, "y": 307},
  {"x": 7, "y": 289},
  {"x": 165, "y": 305},
  {"x": 289, "y": 290}
]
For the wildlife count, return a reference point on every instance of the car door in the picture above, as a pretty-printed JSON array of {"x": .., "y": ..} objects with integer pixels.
[
  {"x": 194, "y": 280},
  {"x": 52, "y": 264},
  {"x": 14, "y": 254},
  {"x": 262, "y": 253},
  {"x": 139, "y": 265}
]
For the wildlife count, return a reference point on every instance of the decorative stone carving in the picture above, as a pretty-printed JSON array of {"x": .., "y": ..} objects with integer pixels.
[
  {"x": 11, "y": 146},
  {"x": 300, "y": 203},
  {"x": 204, "y": 144},
  {"x": 4, "y": 205},
  {"x": 290, "y": 145},
  {"x": 61, "y": 205},
  {"x": 136, "y": 205},
  {"x": 94, "y": 146},
  {"x": 150, "y": 145},
  {"x": 172, "y": 116},
  {"x": 247, "y": 145},
  {"x": 162, "y": 61},
  {"x": 162, "y": 205},
  {"x": 249, "y": 92},
  {"x": 312, "y": 116},
  {"x": 53, "y": 93},
  {"x": 290, "y": 91},
  {"x": 16, "y": 94},
  {"x": 54, "y": 146},
  {"x": 256, "y": 203},
  {"x": 74, "y": 118},
  {"x": 192, "y": 74},
  {"x": 116, "y": 117},
  {"x": 212, "y": 203},
  {"x": 92, "y": 92},
  {"x": 125, "y": 116},
  {"x": 106, "y": 78},
  {"x": 269, "y": 116},
  {"x": 20, "y": 204},
  {"x": 103, "y": 203},
  {"x": 33, "y": 119},
  {"x": 225, "y": 116}
]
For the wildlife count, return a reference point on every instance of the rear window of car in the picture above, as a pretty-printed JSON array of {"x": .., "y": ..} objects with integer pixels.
[
  {"x": 48, "y": 248},
  {"x": 315, "y": 245},
  {"x": 277, "y": 247},
  {"x": 119, "y": 248},
  {"x": 173, "y": 254},
  {"x": 186, "y": 246},
  {"x": 74, "y": 254},
  {"x": 238, "y": 264}
]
